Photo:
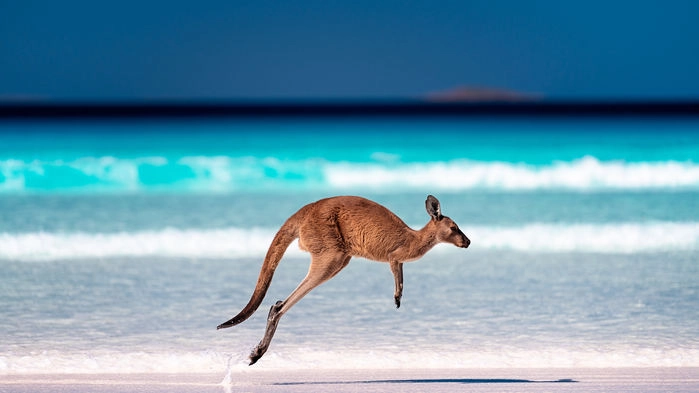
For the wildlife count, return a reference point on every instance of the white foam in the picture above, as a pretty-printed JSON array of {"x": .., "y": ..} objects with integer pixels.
[
  {"x": 587, "y": 173},
  {"x": 623, "y": 238},
  {"x": 114, "y": 361},
  {"x": 293, "y": 357},
  {"x": 385, "y": 173},
  {"x": 238, "y": 242},
  {"x": 217, "y": 243},
  {"x": 511, "y": 357}
]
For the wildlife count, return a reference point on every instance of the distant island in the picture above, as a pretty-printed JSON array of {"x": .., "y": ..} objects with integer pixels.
[{"x": 480, "y": 94}]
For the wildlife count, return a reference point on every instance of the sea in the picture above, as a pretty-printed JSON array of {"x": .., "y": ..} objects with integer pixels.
[{"x": 125, "y": 242}]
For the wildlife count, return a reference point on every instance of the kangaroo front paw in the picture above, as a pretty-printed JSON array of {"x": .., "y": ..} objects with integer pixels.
[{"x": 397, "y": 300}]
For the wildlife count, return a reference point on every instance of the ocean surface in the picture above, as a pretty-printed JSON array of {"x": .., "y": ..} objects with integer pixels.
[{"x": 123, "y": 244}]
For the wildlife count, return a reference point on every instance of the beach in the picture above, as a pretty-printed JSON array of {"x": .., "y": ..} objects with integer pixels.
[
  {"x": 647, "y": 380},
  {"x": 120, "y": 258}
]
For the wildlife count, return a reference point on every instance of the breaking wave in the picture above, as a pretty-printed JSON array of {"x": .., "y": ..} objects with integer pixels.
[
  {"x": 234, "y": 174},
  {"x": 587, "y": 173},
  {"x": 626, "y": 238}
]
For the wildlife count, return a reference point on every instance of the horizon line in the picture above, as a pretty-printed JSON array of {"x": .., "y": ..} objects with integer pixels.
[{"x": 171, "y": 108}]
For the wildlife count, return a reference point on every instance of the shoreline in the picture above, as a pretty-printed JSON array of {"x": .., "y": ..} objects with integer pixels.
[{"x": 637, "y": 379}]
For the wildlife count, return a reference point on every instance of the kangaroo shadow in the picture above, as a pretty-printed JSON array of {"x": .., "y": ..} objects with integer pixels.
[{"x": 435, "y": 380}]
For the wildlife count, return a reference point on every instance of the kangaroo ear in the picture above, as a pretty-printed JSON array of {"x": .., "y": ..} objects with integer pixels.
[{"x": 433, "y": 208}]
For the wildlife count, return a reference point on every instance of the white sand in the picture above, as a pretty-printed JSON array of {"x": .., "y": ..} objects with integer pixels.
[{"x": 675, "y": 380}]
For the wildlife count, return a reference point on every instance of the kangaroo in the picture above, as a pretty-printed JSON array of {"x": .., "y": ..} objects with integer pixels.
[{"x": 333, "y": 230}]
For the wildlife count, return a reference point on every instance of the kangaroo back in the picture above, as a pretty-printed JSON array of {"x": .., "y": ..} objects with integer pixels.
[{"x": 286, "y": 234}]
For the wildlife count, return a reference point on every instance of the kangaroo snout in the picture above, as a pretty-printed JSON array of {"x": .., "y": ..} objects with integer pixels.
[{"x": 466, "y": 242}]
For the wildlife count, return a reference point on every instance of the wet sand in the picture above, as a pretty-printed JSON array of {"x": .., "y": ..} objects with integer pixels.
[{"x": 681, "y": 379}]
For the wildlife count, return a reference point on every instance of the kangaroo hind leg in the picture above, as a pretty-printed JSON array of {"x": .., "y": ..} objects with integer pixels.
[{"x": 323, "y": 267}]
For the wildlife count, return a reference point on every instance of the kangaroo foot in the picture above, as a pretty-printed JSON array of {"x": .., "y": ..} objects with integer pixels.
[
  {"x": 397, "y": 299},
  {"x": 272, "y": 321},
  {"x": 256, "y": 354}
]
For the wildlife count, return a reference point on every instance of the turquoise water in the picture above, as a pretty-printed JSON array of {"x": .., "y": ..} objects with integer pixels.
[
  {"x": 341, "y": 155},
  {"x": 124, "y": 244}
]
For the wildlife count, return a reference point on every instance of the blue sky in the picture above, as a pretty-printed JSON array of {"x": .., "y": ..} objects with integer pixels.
[{"x": 103, "y": 50}]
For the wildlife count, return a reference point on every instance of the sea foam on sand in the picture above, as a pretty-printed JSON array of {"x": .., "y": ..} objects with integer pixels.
[{"x": 677, "y": 380}]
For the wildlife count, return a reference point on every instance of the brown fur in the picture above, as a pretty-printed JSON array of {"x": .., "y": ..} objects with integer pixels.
[{"x": 333, "y": 230}]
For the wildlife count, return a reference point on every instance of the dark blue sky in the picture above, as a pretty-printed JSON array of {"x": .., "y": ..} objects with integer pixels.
[{"x": 104, "y": 50}]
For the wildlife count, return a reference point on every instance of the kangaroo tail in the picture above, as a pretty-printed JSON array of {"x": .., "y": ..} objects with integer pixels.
[{"x": 286, "y": 234}]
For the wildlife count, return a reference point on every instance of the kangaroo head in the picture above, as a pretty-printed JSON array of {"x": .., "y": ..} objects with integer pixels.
[{"x": 445, "y": 228}]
